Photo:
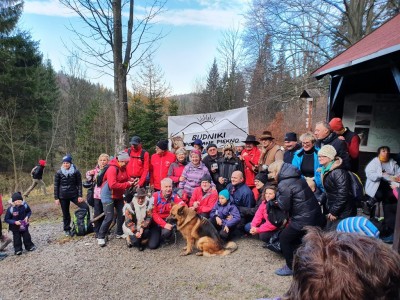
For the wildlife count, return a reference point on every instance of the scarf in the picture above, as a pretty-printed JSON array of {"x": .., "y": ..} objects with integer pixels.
[
  {"x": 383, "y": 159},
  {"x": 140, "y": 211},
  {"x": 327, "y": 168},
  {"x": 68, "y": 172}
]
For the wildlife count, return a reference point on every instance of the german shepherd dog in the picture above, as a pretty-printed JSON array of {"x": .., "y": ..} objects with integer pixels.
[{"x": 198, "y": 230}]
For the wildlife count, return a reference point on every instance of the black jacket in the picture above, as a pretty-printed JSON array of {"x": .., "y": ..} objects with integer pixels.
[
  {"x": 336, "y": 182},
  {"x": 340, "y": 147},
  {"x": 295, "y": 196},
  {"x": 225, "y": 169},
  {"x": 67, "y": 187},
  {"x": 288, "y": 154},
  {"x": 37, "y": 172}
]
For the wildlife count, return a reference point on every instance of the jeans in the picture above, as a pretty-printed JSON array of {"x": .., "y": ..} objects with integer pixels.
[
  {"x": 65, "y": 210},
  {"x": 98, "y": 210},
  {"x": 108, "y": 208}
]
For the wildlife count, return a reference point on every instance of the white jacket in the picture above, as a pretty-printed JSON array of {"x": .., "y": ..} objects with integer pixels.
[{"x": 374, "y": 174}]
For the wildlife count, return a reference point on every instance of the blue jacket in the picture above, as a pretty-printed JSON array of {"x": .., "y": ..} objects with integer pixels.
[
  {"x": 298, "y": 159},
  {"x": 17, "y": 213},
  {"x": 242, "y": 196},
  {"x": 223, "y": 211}
]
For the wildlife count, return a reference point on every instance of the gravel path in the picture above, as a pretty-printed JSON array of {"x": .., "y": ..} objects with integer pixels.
[{"x": 76, "y": 268}]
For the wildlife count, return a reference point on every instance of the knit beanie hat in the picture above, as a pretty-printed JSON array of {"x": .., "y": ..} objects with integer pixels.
[
  {"x": 195, "y": 151},
  {"x": 67, "y": 158},
  {"x": 360, "y": 225},
  {"x": 262, "y": 176},
  {"x": 229, "y": 146},
  {"x": 328, "y": 151},
  {"x": 336, "y": 124},
  {"x": 225, "y": 194},
  {"x": 206, "y": 177},
  {"x": 163, "y": 144},
  {"x": 123, "y": 156},
  {"x": 42, "y": 162},
  {"x": 290, "y": 137},
  {"x": 210, "y": 146},
  {"x": 16, "y": 196}
]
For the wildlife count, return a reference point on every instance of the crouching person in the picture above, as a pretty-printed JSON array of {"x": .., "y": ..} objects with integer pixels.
[
  {"x": 225, "y": 216},
  {"x": 163, "y": 200},
  {"x": 17, "y": 216},
  {"x": 137, "y": 219}
]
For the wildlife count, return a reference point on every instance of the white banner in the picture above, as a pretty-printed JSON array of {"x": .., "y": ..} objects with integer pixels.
[{"x": 230, "y": 126}]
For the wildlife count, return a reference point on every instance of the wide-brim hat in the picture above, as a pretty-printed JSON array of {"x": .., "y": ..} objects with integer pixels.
[
  {"x": 266, "y": 135},
  {"x": 251, "y": 139}
]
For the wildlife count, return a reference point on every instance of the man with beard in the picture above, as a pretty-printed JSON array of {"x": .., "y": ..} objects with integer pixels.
[
  {"x": 227, "y": 164},
  {"x": 325, "y": 136}
]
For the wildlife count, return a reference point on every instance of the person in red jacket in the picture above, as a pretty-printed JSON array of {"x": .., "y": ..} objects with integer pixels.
[
  {"x": 250, "y": 156},
  {"x": 138, "y": 165},
  {"x": 176, "y": 168},
  {"x": 160, "y": 230},
  {"x": 204, "y": 197},
  {"x": 159, "y": 164},
  {"x": 115, "y": 182}
]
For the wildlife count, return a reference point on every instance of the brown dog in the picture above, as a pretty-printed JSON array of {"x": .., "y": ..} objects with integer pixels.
[{"x": 198, "y": 230}]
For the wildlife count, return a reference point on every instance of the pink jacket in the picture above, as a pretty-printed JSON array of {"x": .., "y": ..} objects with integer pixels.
[
  {"x": 259, "y": 217},
  {"x": 90, "y": 177}
]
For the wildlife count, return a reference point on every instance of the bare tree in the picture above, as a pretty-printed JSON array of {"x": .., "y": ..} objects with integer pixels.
[{"x": 116, "y": 43}]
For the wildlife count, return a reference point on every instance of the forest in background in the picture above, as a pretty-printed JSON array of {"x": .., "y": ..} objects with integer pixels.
[{"x": 264, "y": 66}]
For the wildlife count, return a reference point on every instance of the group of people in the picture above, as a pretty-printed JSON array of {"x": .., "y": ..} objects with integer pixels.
[{"x": 238, "y": 189}]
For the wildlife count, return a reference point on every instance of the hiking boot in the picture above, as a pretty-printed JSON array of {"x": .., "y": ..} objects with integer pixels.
[
  {"x": 284, "y": 271},
  {"x": 67, "y": 232},
  {"x": 3, "y": 255},
  {"x": 120, "y": 236},
  {"x": 32, "y": 249},
  {"x": 5, "y": 240},
  {"x": 388, "y": 239},
  {"x": 101, "y": 242},
  {"x": 18, "y": 252}
]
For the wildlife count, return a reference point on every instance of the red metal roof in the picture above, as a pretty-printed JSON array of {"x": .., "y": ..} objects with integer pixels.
[{"x": 384, "y": 40}]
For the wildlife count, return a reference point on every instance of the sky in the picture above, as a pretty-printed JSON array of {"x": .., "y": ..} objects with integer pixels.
[{"x": 194, "y": 28}]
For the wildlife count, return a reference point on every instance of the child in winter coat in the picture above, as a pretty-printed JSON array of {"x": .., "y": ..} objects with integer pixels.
[
  {"x": 225, "y": 215},
  {"x": 17, "y": 216},
  {"x": 260, "y": 224}
]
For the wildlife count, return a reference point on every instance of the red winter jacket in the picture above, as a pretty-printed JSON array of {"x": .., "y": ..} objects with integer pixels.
[
  {"x": 162, "y": 207},
  {"x": 207, "y": 201},
  {"x": 117, "y": 179},
  {"x": 159, "y": 165},
  {"x": 250, "y": 159},
  {"x": 136, "y": 167}
]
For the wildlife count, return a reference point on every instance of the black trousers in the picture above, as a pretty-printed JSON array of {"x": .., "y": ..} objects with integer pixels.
[
  {"x": 138, "y": 242},
  {"x": 65, "y": 210},
  {"x": 389, "y": 202},
  {"x": 158, "y": 235},
  {"x": 97, "y": 210},
  {"x": 290, "y": 239},
  {"x": 225, "y": 236},
  {"x": 19, "y": 237}
]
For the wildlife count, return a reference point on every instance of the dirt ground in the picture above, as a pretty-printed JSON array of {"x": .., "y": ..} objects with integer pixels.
[{"x": 76, "y": 268}]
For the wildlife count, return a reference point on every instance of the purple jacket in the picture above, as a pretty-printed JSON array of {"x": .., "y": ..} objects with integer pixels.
[
  {"x": 193, "y": 177},
  {"x": 223, "y": 211}
]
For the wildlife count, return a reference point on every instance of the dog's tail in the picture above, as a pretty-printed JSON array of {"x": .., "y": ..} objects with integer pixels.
[{"x": 229, "y": 248}]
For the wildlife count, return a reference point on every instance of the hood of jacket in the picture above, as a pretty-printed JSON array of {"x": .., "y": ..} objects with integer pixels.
[{"x": 288, "y": 171}]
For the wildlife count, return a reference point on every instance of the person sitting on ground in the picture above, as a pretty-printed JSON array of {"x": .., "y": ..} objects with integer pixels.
[
  {"x": 296, "y": 198},
  {"x": 291, "y": 146},
  {"x": 250, "y": 157},
  {"x": 225, "y": 216},
  {"x": 204, "y": 197},
  {"x": 91, "y": 176},
  {"x": 4, "y": 239},
  {"x": 17, "y": 217},
  {"x": 336, "y": 181},
  {"x": 192, "y": 174},
  {"x": 242, "y": 197},
  {"x": 37, "y": 178},
  {"x": 325, "y": 136},
  {"x": 270, "y": 151},
  {"x": 227, "y": 164},
  {"x": 381, "y": 171},
  {"x": 160, "y": 230},
  {"x": 67, "y": 189},
  {"x": 159, "y": 164},
  {"x": 352, "y": 140},
  {"x": 115, "y": 183},
  {"x": 138, "y": 214},
  {"x": 352, "y": 267},
  {"x": 211, "y": 161},
  {"x": 260, "y": 225},
  {"x": 176, "y": 168}
]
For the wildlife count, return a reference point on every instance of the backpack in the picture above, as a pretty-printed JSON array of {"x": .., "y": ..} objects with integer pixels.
[
  {"x": 34, "y": 170},
  {"x": 141, "y": 157},
  {"x": 276, "y": 216},
  {"x": 100, "y": 176},
  {"x": 356, "y": 188},
  {"x": 81, "y": 222}
]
